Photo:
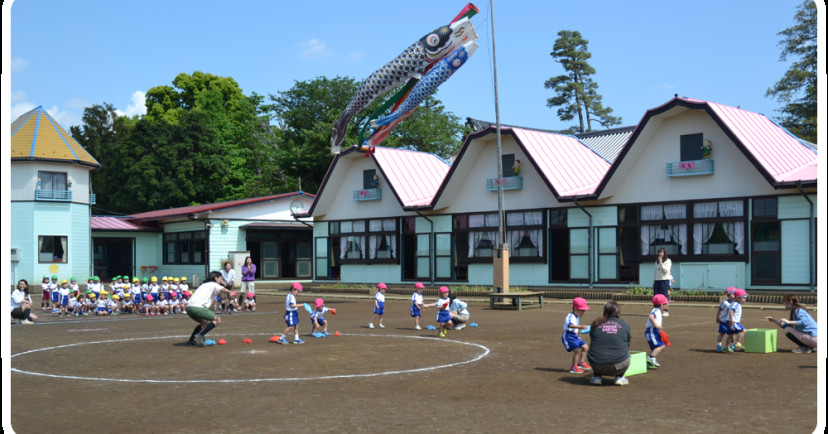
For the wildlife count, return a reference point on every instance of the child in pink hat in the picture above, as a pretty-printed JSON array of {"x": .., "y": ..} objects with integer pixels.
[
  {"x": 417, "y": 304},
  {"x": 654, "y": 328},
  {"x": 723, "y": 319},
  {"x": 736, "y": 328},
  {"x": 379, "y": 306},
  {"x": 250, "y": 302},
  {"x": 443, "y": 313},
  {"x": 317, "y": 317},
  {"x": 571, "y": 340}
]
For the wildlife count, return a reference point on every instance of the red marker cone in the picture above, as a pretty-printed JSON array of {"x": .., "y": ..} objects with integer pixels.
[
  {"x": 336, "y": 333},
  {"x": 222, "y": 341}
]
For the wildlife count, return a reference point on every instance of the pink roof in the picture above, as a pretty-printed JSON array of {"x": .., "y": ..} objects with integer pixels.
[
  {"x": 414, "y": 176},
  {"x": 781, "y": 154},
  {"x": 570, "y": 167},
  {"x": 114, "y": 224},
  {"x": 173, "y": 212}
]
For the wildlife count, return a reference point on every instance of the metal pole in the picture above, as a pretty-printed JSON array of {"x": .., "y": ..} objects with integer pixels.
[{"x": 501, "y": 233}]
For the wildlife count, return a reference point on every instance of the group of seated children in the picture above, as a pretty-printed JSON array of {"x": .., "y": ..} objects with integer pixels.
[{"x": 146, "y": 296}]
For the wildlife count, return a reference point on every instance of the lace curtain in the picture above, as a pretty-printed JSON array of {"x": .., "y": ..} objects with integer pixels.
[
  {"x": 703, "y": 231},
  {"x": 735, "y": 230}
]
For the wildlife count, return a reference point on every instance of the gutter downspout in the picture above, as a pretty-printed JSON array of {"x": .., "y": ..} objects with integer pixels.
[
  {"x": 811, "y": 237},
  {"x": 431, "y": 254},
  {"x": 589, "y": 242},
  {"x": 207, "y": 228}
]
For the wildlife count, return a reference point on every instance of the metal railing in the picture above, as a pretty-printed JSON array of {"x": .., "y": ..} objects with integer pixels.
[
  {"x": 508, "y": 182},
  {"x": 690, "y": 168},
  {"x": 368, "y": 194},
  {"x": 54, "y": 195}
]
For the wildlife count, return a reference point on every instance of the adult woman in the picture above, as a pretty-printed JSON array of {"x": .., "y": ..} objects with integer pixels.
[
  {"x": 21, "y": 303},
  {"x": 228, "y": 274},
  {"x": 609, "y": 348},
  {"x": 801, "y": 327},
  {"x": 663, "y": 275},
  {"x": 248, "y": 276}
]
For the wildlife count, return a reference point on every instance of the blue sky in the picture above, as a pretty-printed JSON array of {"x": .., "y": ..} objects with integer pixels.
[{"x": 68, "y": 55}]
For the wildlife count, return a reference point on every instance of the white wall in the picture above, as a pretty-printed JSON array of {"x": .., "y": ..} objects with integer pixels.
[{"x": 24, "y": 179}]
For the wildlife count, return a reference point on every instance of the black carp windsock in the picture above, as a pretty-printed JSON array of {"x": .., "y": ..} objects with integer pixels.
[{"x": 412, "y": 62}]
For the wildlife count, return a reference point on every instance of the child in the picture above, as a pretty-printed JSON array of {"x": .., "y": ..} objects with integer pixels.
[
  {"x": 443, "y": 315},
  {"x": 154, "y": 287},
  {"x": 379, "y": 306},
  {"x": 292, "y": 315},
  {"x": 91, "y": 302},
  {"x": 114, "y": 307},
  {"x": 417, "y": 304},
  {"x": 44, "y": 293},
  {"x": 100, "y": 305},
  {"x": 250, "y": 302},
  {"x": 653, "y": 330},
  {"x": 162, "y": 305},
  {"x": 127, "y": 305},
  {"x": 64, "y": 292},
  {"x": 317, "y": 317},
  {"x": 183, "y": 286},
  {"x": 175, "y": 304},
  {"x": 185, "y": 300},
  {"x": 149, "y": 305},
  {"x": 54, "y": 293},
  {"x": 73, "y": 285},
  {"x": 723, "y": 320},
  {"x": 73, "y": 307},
  {"x": 736, "y": 327},
  {"x": 96, "y": 286},
  {"x": 571, "y": 339}
]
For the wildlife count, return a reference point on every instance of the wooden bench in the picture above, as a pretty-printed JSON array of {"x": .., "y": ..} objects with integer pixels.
[{"x": 514, "y": 300}]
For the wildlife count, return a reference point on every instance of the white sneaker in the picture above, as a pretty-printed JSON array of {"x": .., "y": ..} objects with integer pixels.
[
  {"x": 25, "y": 321},
  {"x": 459, "y": 326},
  {"x": 596, "y": 380},
  {"x": 370, "y": 325},
  {"x": 381, "y": 326},
  {"x": 665, "y": 314},
  {"x": 417, "y": 328},
  {"x": 621, "y": 381}
]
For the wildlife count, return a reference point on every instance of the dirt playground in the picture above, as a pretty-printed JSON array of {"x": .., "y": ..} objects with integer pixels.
[{"x": 131, "y": 373}]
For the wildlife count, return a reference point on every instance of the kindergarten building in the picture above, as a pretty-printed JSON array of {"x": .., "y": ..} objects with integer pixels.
[
  {"x": 54, "y": 231},
  {"x": 727, "y": 192}
]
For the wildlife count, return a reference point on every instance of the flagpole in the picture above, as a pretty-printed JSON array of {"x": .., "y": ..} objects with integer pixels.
[{"x": 501, "y": 255}]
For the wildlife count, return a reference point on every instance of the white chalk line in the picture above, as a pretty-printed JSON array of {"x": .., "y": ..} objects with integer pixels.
[{"x": 485, "y": 353}]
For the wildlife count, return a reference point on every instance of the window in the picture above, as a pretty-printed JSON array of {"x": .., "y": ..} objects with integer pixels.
[
  {"x": 691, "y": 147},
  {"x": 52, "y": 248},
  {"x": 766, "y": 242},
  {"x": 525, "y": 233},
  {"x": 184, "y": 248},
  {"x": 719, "y": 228},
  {"x": 765, "y": 208},
  {"x": 367, "y": 240},
  {"x": 508, "y": 161},
  {"x": 664, "y": 226},
  {"x": 52, "y": 181},
  {"x": 370, "y": 179}
]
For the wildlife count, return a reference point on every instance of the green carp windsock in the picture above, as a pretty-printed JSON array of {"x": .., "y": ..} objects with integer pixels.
[
  {"x": 425, "y": 87},
  {"x": 413, "y": 62}
]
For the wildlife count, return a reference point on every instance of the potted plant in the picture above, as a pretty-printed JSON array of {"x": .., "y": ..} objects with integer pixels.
[{"x": 707, "y": 149}]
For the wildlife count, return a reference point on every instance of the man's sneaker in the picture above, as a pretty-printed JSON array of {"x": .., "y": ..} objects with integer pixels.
[
  {"x": 665, "y": 314},
  {"x": 584, "y": 366},
  {"x": 381, "y": 326},
  {"x": 370, "y": 325},
  {"x": 282, "y": 341},
  {"x": 621, "y": 381},
  {"x": 199, "y": 338},
  {"x": 576, "y": 370},
  {"x": 417, "y": 328},
  {"x": 459, "y": 326},
  {"x": 719, "y": 348},
  {"x": 596, "y": 380},
  {"x": 298, "y": 341},
  {"x": 25, "y": 321},
  {"x": 652, "y": 363},
  {"x": 798, "y": 350}
]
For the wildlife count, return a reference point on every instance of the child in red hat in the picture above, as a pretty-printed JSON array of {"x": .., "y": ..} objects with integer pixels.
[
  {"x": 571, "y": 340},
  {"x": 654, "y": 329}
]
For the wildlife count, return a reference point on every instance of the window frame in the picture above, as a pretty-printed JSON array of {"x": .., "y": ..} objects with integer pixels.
[
  {"x": 363, "y": 236},
  {"x": 194, "y": 242},
  {"x": 54, "y": 239}
]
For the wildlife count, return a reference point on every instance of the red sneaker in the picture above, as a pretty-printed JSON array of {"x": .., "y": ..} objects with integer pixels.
[
  {"x": 584, "y": 366},
  {"x": 576, "y": 370}
]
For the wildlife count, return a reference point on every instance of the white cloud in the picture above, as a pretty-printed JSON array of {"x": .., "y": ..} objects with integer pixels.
[
  {"x": 19, "y": 65},
  {"x": 17, "y": 109},
  {"x": 18, "y": 95},
  {"x": 314, "y": 49},
  {"x": 138, "y": 106},
  {"x": 66, "y": 118}
]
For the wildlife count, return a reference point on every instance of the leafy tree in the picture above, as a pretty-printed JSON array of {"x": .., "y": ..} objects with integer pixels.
[
  {"x": 797, "y": 89},
  {"x": 576, "y": 94}
]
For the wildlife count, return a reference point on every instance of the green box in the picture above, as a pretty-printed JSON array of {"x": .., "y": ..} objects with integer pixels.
[
  {"x": 638, "y": 363},
  {"x": 760, "y": 340}
]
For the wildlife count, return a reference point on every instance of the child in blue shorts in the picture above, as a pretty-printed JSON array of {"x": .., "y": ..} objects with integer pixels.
[
  {"x": 723, "y": 320},
  {"x": 379, "y": 306},
  {"x": 654, "y": 328},
  {"x": 292, "y": 315},
  {"x": 736, "y": 328},
  {"x": 417, "y": 304},
  {"x": 570, "y": 339},
  {"x": 443, "y": 313}
]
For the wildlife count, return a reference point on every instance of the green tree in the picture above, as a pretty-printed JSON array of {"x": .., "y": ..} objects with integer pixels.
[
  {"x": 797, "y": 89},
  {"x": 430, "y": 128},
  {"x": 576, "y": 93}
]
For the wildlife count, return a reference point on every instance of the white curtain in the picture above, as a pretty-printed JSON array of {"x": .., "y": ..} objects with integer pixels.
[
  {"x": 476, "y": 220},
  {"x": 63, "y": 244},
  {"x": 343, "y": 247},
  {"x": 389, "y": 225},
  {"x": 679, "y": 231},
  {"x": 514, "y": 237},
  {"x": 373, "y": 243},
  {"x": 702, "y": 231},
  {"x": 492, "y": 220},
  {"x": 475, "y": 237},
  {"x": 735, "y": 230},
  {"x": 536, "y": 236},
  {"x": 648, "y": 232}
]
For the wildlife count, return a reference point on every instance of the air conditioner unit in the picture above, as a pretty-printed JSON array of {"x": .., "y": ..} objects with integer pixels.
[{"x": 15, "y": 255}]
